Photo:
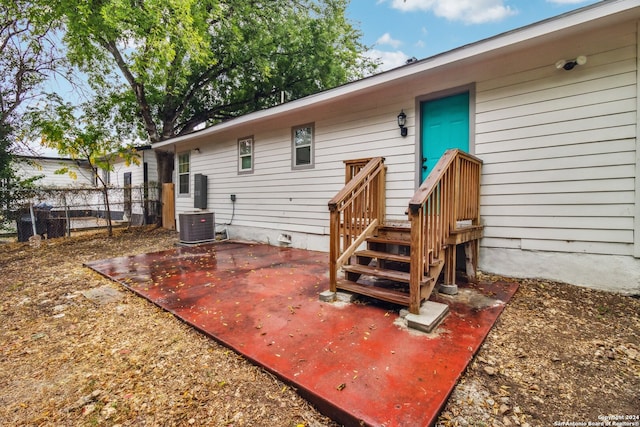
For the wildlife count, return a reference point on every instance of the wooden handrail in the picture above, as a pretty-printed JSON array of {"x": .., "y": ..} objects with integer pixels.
[
  {"x": 451, "y": 193},
  {"x": 353, "y": 166},
  {"x": 365, "y": 173},
  {"x": 355, "y": 212},
  {"x": 420, "y": 196}
]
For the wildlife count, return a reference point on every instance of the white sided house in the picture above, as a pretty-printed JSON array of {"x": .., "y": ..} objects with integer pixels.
[
  {"x": 133, "y": 188},
  {"x": 550, "y": 110},
  {"x": 137, "y": 198},
  {"x": 46, "y": 167},
  {"x": 134, "y": 174}
]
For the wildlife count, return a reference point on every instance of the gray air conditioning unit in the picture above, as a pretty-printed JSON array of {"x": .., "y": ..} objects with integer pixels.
[{"x": 197, "y": 227}]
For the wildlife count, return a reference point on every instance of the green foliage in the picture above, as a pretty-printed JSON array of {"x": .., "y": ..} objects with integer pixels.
[
  {"x": 82, "y": 133},
  {"x": 15, "y": 192},
  {"x": 28, "y": 55},
  {"x": 167, "y": 66}
]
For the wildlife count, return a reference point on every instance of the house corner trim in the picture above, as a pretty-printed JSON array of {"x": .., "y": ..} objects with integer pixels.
[{"x": 636, "y": 224}]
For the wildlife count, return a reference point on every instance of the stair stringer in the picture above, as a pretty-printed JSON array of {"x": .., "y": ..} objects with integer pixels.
[{"x": 435, "y": 268}]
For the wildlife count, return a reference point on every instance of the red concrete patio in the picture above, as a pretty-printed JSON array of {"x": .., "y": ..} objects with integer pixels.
[{"x": 357, "y": 363}]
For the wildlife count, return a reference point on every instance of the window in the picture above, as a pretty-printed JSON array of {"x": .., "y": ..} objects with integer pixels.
[
  {"x": 303, "y": 147},
  {"x": 183, "y": 173},
  {"x": 106, "y": 176},
  {"x": 245, "y": 155}
]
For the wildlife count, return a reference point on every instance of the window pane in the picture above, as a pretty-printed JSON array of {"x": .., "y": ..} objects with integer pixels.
[
  {"x": 183, "y": 163},
  {"x": 184, "y": 184},
  {"x": 245, "y": 147},
  {"x": 302, "y": 136},
  {"x": 246, "y": 162},
  {"x": 303, "y": 156}
]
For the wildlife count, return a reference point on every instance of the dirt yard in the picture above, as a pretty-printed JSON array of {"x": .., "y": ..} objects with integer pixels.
[{"x": 558, "y": 354}]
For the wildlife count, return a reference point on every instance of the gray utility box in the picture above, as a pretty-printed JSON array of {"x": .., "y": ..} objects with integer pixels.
[
  {"x": 197, "y": 227},
  {"x": 200, "y": 191}
]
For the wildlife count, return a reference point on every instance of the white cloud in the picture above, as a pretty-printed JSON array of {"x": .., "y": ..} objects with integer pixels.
[
  {"x": 467, "y": 11},
  {"x": 387, "y": 40},
  {"x": 388, "y": 60}
]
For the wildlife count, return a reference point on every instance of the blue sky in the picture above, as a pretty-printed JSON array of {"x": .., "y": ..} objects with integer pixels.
[{"x": 400, "y": 29}]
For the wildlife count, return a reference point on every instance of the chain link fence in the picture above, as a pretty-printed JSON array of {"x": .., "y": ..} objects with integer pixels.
[{"x": 56, "y": 212}]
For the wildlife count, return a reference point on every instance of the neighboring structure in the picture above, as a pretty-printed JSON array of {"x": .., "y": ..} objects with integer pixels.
[
  {"x": 560, "y": 191},
  {"x": 46, "y": 167},
  {"x": 133, "y": 191},
  {"x": 135, "y": 174},
  {"x": 139, "y": 205}
]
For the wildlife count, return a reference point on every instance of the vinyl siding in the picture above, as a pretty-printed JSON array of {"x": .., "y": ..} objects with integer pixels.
[
  {"x": 47, "y": 169},
  {"x": 559, "y": 150},
  {"x": 120, "y": 169},
  {"x": 277, "y": 197}
]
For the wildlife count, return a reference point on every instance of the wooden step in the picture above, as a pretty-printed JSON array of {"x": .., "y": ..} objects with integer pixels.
[
  {"x": 397, "y": 276},
  {"x": 396, "y": 226},
  {"x": 394, "y": 232},
  {"x": 383, "y": 294},
  {"x": 389, "y": 241},
  {"x": 383, "y": 255}
]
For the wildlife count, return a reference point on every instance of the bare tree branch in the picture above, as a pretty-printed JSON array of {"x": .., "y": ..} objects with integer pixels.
[{"x": 138, "y": 89}]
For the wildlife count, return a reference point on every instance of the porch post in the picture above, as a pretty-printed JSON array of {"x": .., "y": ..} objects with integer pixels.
[
  {"x": 416, "y": 267},
  {"x": 382, "y": 195},
  {"x": 334, "y": 247},
  {"x": 471, "y": 257},
  {"x": 450, "y": 265}
]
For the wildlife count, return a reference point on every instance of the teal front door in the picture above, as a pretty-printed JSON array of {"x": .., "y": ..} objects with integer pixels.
[{"x": 445, "y": 125}]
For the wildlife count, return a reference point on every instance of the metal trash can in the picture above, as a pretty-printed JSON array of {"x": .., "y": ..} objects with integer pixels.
[
  {"x": 24, "y": 226},
  {"x": 25, "y": 230}
]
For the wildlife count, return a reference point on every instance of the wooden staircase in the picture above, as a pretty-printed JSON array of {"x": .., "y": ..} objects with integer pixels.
[
  {"x": 403, "y": 260},
  {"x": 382, "y": 270}
]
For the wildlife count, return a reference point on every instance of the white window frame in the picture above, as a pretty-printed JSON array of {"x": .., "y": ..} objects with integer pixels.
[
  {"x": 186, "y": 173},
  {"x": 250, "y": 155},
  {"x": 294, "y": 147}
]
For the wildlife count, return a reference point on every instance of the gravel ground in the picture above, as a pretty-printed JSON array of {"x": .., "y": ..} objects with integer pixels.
[{"x": 558, "y": 354}]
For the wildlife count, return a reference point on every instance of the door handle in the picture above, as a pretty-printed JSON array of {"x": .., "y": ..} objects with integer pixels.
[{"x": 424, "y": 165}]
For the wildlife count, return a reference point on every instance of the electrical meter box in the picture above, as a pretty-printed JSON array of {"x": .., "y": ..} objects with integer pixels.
[{"x": 200, "y": 191}]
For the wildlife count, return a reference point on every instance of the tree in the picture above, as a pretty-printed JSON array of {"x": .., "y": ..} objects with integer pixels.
[
  {"x": 170, "y": 66},
  {"x": 83, "y": 133},
  {"x": 15, "y": 192},
  {"x": 28, "y": 55}
]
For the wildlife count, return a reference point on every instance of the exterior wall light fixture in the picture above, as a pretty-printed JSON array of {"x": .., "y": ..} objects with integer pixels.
[
  {"x": 402, "y": 123},
  {"x": 570, "y": 64}
]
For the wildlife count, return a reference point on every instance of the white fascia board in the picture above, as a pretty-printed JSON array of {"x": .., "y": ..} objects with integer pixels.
[{"x": 528, "y": 34}]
